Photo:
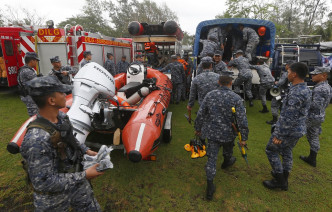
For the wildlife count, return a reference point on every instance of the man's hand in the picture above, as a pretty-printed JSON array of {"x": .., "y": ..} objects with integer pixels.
[
  {"x": 198, "y": 133},
  {"x": 276, "y": 82},
  {"x": 275, "y": 140},
  {"x": 65, "y": 73},
  {"x": 92, "y": 172},
  {"x": 91, "y": 153},
  {"x": 188, "y": 108},
  {"x": 242, "y": 143}
]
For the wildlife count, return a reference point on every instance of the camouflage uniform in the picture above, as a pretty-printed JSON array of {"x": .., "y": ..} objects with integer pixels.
[
  {"x": 199, "y": 69},
  {"x": 122, "y": 67},
  {"x": 209, "y": 47},
  {"x": 283, "y": 85},
  {"x": 85, "y": 62},
  {"x": 26, "y": 74},
  {"x": 177, "y": 77},
  {"x": 189, "y": 75},
  {"x": 58, "y": 73},
  {"x": 110, "y": 67},
  {"x": 201, "y": 85},
  {"x": 265, "y": 78},
  {"x": 214, "y": 121},
  {"x": 251, "y": 37},
  {"x": 289, "y": 128},
  {"x": 321, "y": 96},
  {"x": 220, "y": 68},
  {"x": 245, "y": 74}
]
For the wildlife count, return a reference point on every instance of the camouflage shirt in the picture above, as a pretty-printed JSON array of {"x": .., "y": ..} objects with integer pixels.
[
  {"x": 321, "y": 96},
  {"x": 242, "y": 65},
  {"x": 294, "y": 113},
  {"x": 25, "y": 74},
  {"x": 215, "y": 117},
  {"x": 177, "y": 72},
  {"x": 43, "y": 162},
  {"x": 250, "y": 35},
  {"x": 201, "y": 85},
  {"x": 283, "y": 81},
  {"x": 110, "y": 67},
  {"x": 65, "y": 79},
  {"x": 264, "y": 73},
  {"x": 209, "y": 47},
  {"x": 122, "y": 67},
  {"x": 85, "y": 62},
  {"x": 220, "y": 67}
]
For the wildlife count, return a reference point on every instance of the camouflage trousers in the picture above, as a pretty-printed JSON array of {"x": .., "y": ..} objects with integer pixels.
[
  {"x": 81, "y": 198},
  {"x": 285, "y": 150},
  {"x": 247, "y": 85},
  {"x": 176, "y": 92},
  {"x": 31, "y": 105},
  {"x": 250, "y": 51},
  {"x": 263, "y": 88},
  {"x": 313, "y": 132},
  {"x": 183, "y": 91},
  {"x": 212, "y": 154}
]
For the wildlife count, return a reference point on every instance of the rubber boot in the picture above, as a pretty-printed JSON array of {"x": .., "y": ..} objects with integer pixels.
[
  {"x": 251, "y": 103},
  {"x": 273, "y": 121},
  {"x": 311, "y": 159},
  {"x": 228, "y": 162},
  {"x": 210, "y": 189},
  {"x": 286, "y": 174},
  {"x": 265, "y": 110},
  {"x": 278, "y": 182}
]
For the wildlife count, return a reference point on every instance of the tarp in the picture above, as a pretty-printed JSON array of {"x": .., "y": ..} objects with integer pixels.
[{"x": 254, "y": 23}]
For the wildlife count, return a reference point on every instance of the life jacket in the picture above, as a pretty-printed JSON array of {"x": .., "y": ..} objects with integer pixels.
[
  {"x": 185, "y": 65},
  {"x": 150, "y": 47}
]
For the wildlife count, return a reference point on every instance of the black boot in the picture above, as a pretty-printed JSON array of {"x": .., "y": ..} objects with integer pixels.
[
  {"x": 251, "y": 103},
  {"x": 210, "y": 189},
  {"x": 286, "y": 174},
  {"x": 228, "y": 162},
  {"x": 311, "y": 159},
  {"x": 278, "y": 182},
  {"x": 273, "y": 121},
  {"x": 265, "y": 110}
]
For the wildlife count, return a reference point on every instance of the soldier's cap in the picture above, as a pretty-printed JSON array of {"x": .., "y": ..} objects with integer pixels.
[
  {"x": 213, "y": 38},
  {"x": 109, "y": 54},
  {"x": 32, "y": 55},
  {"x": 206, "y": 60},
  {"x": 41, "y": 86},
  {"x": 227, "y": 73},
  {"x": 174, "y": 56},
  {"x": 290, "y": 62},
  {"x": 86, "y": 53},
  {"x": 239, "y": 51},
  {"x": 320, "y": 70},
  {"x": 55, "y": 59},
  {"x": 138, "y": 56},
  {"x": 218, "y": 52}
]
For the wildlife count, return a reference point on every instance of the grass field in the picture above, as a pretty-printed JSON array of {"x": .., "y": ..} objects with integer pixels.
[{"x": 175, "y": 182}]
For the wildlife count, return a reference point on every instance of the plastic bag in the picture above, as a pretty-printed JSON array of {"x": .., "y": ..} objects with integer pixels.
[{"x": 103, "y": 158}]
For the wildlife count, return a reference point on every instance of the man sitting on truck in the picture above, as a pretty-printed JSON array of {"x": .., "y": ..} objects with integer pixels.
[
  {"x": 251, "y": 38},
  {"x": 61, "y": 72}
]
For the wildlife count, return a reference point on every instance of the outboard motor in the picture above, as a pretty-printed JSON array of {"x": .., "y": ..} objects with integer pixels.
[{"x": 90, "y": 83}]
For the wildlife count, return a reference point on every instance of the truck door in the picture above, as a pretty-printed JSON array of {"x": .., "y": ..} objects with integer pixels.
[{"x": 10, "y": 59}]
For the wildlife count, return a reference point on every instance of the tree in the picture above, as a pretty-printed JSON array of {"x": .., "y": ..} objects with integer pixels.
[
  {"x": 187, "y": 39},
  {"x": 20, "y": 15}
]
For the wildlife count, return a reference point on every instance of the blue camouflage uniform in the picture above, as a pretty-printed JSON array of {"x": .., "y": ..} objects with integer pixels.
[
  {"x": 122, "y": 67},
  {"x": 290, "y": 127},
  {"x": 110, "y": 67},
  {"x": 199, "y": 69},
  {"x": 178, "y": 77},
  {"x": 252, "y": 39},
  {"x": 58, "y": 73},
  {"x": 26, "y": 74},
  {"x": 265, "y": 78},
  {"x": 220, "y": 68},
  {"x": 214, "y": 121},
  {"x": 283, "y": 85},
  {"x": 189, "y": 75},
  {"x": 245, "y": 74},
  {"x": 84, "y": 62},
  {"x": 209, "y": 46},
  {"x": 321, "y": 96}
]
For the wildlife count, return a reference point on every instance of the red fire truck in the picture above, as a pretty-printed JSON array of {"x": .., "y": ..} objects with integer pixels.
[{"x": 68, "y": 43}]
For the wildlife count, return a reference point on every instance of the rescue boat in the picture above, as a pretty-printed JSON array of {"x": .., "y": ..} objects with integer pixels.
[{"x": 135, "y": 102}]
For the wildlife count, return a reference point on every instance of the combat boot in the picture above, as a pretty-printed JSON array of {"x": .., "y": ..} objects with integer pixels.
[
  {"x": 273, "y": 121},
  {"x": 251, "y": 103},
  {"x": 265, "y": 110},
  {"x": 278, "y": 182},
  {"x": 228, "y": 162},
  {"x": 286, "y": 174},
  {"x": 311, "y": 159},
  {"x": 210, "y": 189}
]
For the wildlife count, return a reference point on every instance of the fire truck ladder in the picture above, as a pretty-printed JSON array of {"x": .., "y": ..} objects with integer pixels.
[
  {"x": 285, "y": 55},
  {"x": 73, "y": 47}
]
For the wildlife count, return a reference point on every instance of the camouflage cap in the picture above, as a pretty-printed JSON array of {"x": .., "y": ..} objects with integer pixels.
[
  {"x": 86, "y": 53},
  {"x": 109, "y": 54},
  {"x": 239, "y": 51},
  {"x": 32, "y": 55},
  {"x": 207, "y": 60},
  {"x": 40, "y": 86},
  {"x": 320, "y": 70},
  {"x": 227, "y": 73},
  {"x": 213, "y": 38},
  {"x": 55, "y": 59},
  {"x": 218, "y": 52}
]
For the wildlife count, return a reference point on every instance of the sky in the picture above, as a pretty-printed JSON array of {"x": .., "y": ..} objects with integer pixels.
[{"x": 189, "y": 12}]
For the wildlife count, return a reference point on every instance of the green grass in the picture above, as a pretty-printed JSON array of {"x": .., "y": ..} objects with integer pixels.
[{"x": 175, "y": 182}]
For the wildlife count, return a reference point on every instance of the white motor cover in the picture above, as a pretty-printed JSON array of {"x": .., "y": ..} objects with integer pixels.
[
  {"x": 91, "y": 81},
  {"x": 135, "y": 73}
]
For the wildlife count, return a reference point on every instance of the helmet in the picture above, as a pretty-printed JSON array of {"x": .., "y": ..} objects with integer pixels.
[{"x": 261, "y": 31}]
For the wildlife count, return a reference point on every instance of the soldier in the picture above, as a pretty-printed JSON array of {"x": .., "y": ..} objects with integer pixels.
[
  {"x": 177, "y": 77},
  {"x": 251, "y": 38},
  {"x": 61, "y": 72},
  {"x": 209, "y": 46},
  {"x": 245, "y": 74},
  {"x": 266, "y": 81},
  {"x": 52, "y": 153},
  {"x": 109, "y": 64},
  {"x": 139, "y": 59},
  {"x": 87, "y": 58},
  {"x": 122, "y": 65},
  {"x": 289, "y": 128},
  {"x": 200, "y": 68},
  {"x": 188, "y": 73},
  {"x": 203, "y": 83},
  {"x": 214, "y": 121},
  {"x": 25, "y": 74},
  {"x": 219, "y": 66},
  {"x": 321, "y": 96},
  {"x": 185, "y": 69},
  {"x": 282, "y": 84}
]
